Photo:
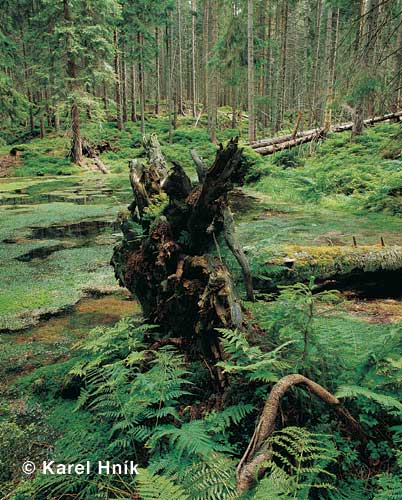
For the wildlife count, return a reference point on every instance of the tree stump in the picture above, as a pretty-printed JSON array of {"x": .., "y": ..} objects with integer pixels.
[{"x": 166, "y": 258}]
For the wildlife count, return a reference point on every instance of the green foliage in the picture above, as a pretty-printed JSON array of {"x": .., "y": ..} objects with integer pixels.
[
  {"x": 251, "y": 361},
  {"x": 391, "y": 404},
  {"x": 297, "y": 466},
  {"x": 287, "y": 159}
]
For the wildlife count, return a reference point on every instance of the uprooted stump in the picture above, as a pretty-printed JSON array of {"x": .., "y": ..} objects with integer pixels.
[{"x": 166, "y": 257}]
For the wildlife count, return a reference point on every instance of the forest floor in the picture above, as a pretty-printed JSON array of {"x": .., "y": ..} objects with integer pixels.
[{"x": 324, "y": 213}]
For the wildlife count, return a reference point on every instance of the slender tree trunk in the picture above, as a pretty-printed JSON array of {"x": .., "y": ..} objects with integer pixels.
[
  {"x": 250, "y": 64},
  {"x": 76, "y": 143},
  {"x": 124, "y": 83},
  {"x": 398, "y": 64},
  {"x": 205, "y": 51},
  {"x": 314, "y": 106},
  {"x": 282, "y": 76},
  {"x": 117, "y": 80},
  {"x": 213, "y": 76},
  {"x": 133, "y": 94},
  {"x": 42, "y": 125},
  {"x": 28, "y": 90},
  {"x": 193, "y": 53},
  {"x": 331, "y": 83},
  {"x": 169, "y": 77},
  {"x": 141, "y": 81},
  {"x": 56, "y": 121},
  {"x": 180, "y": 108},
  {"x": 104, "y": 97},
  {"x": 157, "y": 76}
]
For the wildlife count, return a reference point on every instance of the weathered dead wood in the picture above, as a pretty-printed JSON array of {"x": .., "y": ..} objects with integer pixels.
[
  {"x": 236, "y": 249},
  {"x": 258, "y": 451},
  {"x": 199, "y": 165},
  {"x": 93, "y": 151},
  {"x": 268, "y": 150},
  {"x": 270, "y": 146},
  {"x": 166, "y": 257}
]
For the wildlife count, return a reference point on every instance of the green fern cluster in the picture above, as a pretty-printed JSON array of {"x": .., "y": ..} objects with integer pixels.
[
  {"x": 298, "y": 465},
  {"x": 251, "y": 361}
]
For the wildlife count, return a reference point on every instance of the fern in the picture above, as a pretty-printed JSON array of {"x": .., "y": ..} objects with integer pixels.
[
  {"x": 351, "y": 391},
  {"x": 251, "y": 360},
  {"x": 298, "y": 464},
  {"x": 390, "y": 487},
  {"x": 153, "y": 487}
]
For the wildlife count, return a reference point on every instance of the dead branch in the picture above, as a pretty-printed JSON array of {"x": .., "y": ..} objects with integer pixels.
[
  {"x": 199, "y": 165},
  {"x": 258, "y": 451},
  {"x": 236, "y": 249}
]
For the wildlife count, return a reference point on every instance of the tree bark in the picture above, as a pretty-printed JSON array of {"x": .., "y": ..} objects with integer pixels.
[
  {"x": 119, "y": 118},
  {"x": 180, "y": 108},
  {"x": 157, "y": 69},
  {"x": 124, "y": 84},
  {"x": 141, "y": 80},
  {"x": 76, "y": 142},
  {"x": 193, "y": 54},
  {"x": 250, "y": 65},
  {"x": 212, "y": 75},
  {"x": 134, "y": 117}
]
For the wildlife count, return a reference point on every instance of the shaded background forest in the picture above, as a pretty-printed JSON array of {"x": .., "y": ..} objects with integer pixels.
[{"x": 281, "y": 62}]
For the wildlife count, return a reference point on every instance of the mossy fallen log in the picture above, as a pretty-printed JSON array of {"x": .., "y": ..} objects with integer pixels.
[{"x": 291, "y": 264}]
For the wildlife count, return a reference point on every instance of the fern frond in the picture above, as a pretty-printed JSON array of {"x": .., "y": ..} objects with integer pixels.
[{"x": 352, "y": 391}]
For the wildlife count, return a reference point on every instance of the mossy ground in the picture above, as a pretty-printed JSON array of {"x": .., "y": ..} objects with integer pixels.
[{"x": 316, "y": 208}]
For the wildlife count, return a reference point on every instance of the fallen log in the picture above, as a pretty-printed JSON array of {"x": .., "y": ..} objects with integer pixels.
[{"x": 274, "y": 144}]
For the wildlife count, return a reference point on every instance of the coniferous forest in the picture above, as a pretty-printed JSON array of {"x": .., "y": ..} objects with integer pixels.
[{"x": 201, "y": 249}]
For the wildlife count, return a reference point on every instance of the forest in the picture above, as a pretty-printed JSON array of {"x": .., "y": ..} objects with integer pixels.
[{"x": 201, "y": 249}]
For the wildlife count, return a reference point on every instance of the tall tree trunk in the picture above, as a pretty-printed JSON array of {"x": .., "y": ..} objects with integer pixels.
[
  {"x": 205, "y": 51},
  {"x": 180, "y": 108},
  {"x": 76, "y": 142},
  {"x": 250, "y": 65},
  {"x": 117, "y": 80},
  {"x": 157, "y": 69},
  {"x": 124, "y": 83},
  {"x": 398, "y": 64},
  {"x": 315, "y": 105},
  {"x": 104, "y": 96},
  {"x": 141, "y": 80},
  {"x": 28, "y": 90},
  {"x": 42, "y": 125},
  {"x": 193, "y": 53},
  {"x": 365, "y": 57},
  {"x": 133, "y": 94},
  {"x": 331, "y": 82},
  {"x": 213, "y": 75},
  {"x": 282, "y": 75}
]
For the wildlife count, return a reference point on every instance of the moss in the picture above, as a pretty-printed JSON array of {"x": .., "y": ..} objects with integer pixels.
[{"x": 292, "y": 263}]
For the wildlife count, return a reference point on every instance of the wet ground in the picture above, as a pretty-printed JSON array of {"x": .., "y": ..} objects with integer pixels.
[{"x": 56, "y": 283}]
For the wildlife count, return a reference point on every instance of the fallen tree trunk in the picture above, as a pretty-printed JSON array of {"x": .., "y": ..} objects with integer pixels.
[
  {"x": 270, "y": 146},
  {"x": 166, "y": 257}
]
